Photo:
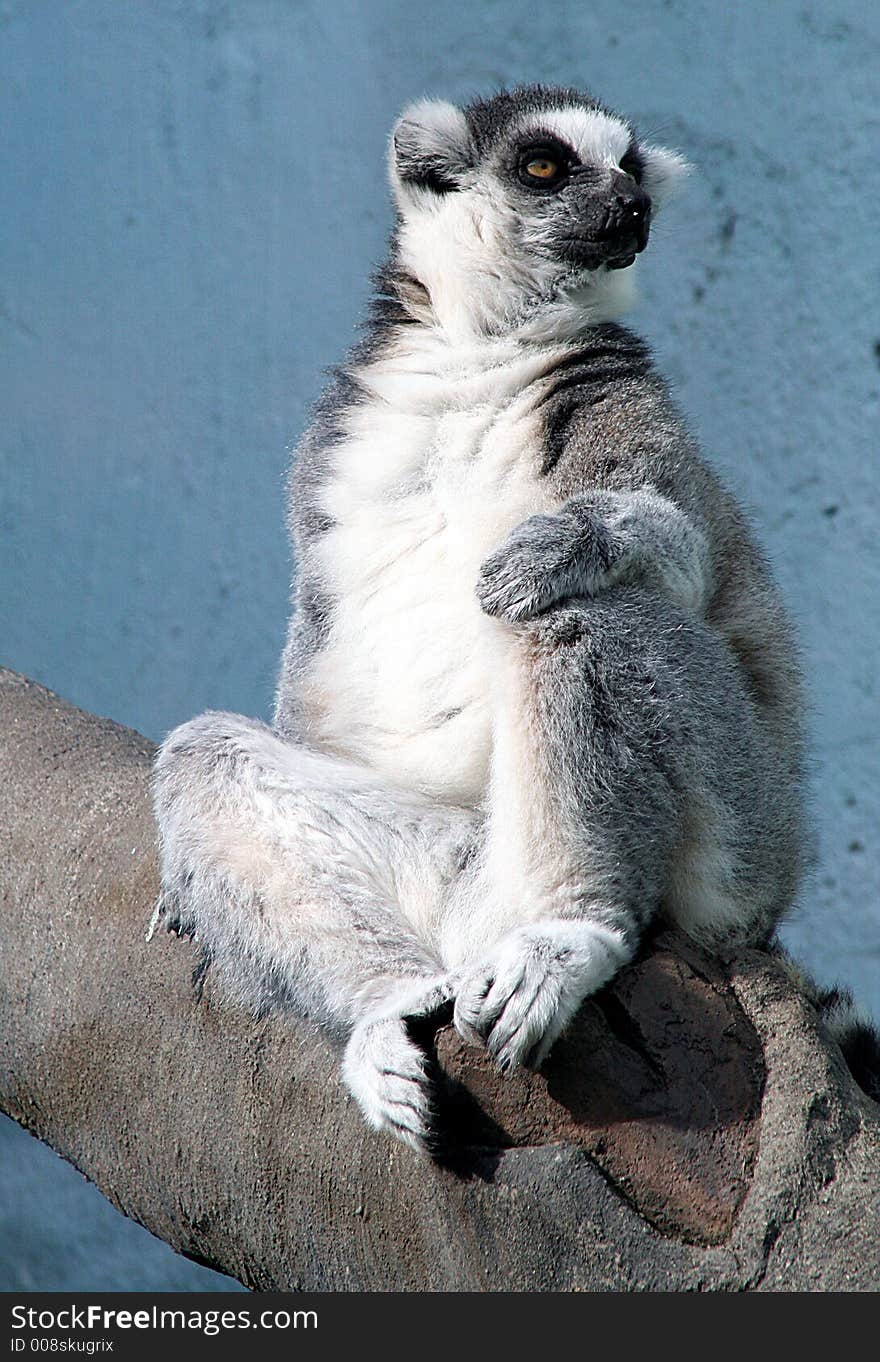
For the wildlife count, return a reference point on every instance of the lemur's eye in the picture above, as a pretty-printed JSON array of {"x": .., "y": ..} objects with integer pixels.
[{"x": 542, "y": 167}]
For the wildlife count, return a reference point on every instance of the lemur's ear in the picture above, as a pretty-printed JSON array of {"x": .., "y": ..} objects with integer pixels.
[
  {"x": 662, "y": 172},
  {"x": 430, "y": 147}
]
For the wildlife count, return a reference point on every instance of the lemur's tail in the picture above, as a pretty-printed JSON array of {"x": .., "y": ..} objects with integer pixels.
[{"x": 854, "y": 1032}]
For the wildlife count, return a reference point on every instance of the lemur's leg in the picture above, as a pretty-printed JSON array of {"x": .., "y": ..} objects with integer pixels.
[
  {"x": 632, "y": 773},
  {"x": 295, "y": 871}
]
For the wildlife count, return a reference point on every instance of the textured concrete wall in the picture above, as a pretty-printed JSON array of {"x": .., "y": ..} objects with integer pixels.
[{"x": 193, "y": 197}]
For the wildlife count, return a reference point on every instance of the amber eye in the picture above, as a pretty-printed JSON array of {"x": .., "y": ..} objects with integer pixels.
[{"x": 542, "y": 168}]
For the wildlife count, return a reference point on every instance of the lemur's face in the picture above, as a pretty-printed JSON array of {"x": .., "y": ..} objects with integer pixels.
[{"x": 522, "y": 199}]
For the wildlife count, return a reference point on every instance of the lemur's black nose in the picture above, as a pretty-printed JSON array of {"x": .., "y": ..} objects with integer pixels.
[
  {"x": 634, "y": 211},
  {"x": 628, "y": 208},
  {"x": 627, "y": 212}
]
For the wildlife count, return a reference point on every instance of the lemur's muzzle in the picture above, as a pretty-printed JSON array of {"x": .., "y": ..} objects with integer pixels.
[
  {"x": 613, "y": 224},
  {"x": 624, "y": 231}
]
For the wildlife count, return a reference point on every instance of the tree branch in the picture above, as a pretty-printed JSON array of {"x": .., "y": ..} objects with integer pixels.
[{"x": 695, "y": 1131}]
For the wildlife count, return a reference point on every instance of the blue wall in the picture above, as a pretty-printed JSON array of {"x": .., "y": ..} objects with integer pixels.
[{"x": 193, "y": 197}]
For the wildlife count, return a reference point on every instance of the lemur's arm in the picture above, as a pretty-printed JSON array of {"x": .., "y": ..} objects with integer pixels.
[{"x": 594, "y": 541}]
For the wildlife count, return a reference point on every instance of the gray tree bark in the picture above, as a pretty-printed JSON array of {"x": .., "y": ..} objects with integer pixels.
[{"x": 697, "y": 1130}]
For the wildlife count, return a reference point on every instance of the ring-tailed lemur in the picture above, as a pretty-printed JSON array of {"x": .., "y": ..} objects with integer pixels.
[{"x": 539, "y": 687}]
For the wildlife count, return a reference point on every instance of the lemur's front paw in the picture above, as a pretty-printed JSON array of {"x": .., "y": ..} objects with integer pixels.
[
  {"x": 386, "y": 1071},
  {"x": 522, "y": 998},
  {"x": 545, "y": 559}
]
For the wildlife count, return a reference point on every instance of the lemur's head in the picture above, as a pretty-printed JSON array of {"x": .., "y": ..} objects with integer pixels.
[{"x": 524, "y": 209}]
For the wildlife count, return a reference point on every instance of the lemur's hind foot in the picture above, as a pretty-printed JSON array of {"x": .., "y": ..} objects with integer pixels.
[{"x": 387, "y": 1071}]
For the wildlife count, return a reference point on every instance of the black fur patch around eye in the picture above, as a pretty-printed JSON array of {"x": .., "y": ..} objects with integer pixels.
[
  {"x": 538, "y": 146},
  {"x": 633, "y": 163}
]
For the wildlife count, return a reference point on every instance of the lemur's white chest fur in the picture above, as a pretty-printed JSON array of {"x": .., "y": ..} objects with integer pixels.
[{"x": 434, "y": 472}]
